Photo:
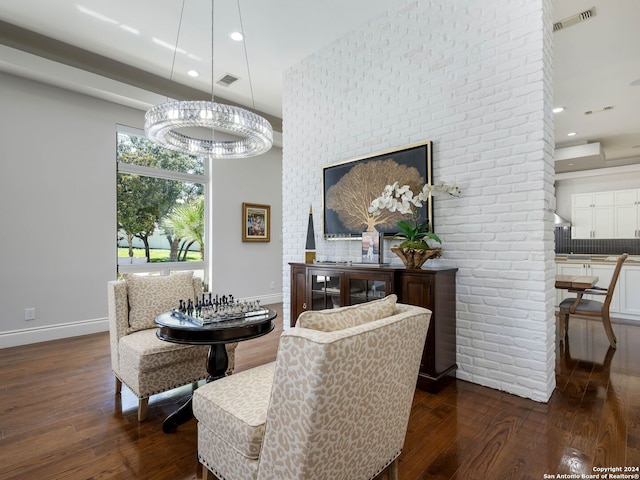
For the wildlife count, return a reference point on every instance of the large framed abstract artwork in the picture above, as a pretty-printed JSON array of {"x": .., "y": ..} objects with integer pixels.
[{"x": 351, "y": 185}]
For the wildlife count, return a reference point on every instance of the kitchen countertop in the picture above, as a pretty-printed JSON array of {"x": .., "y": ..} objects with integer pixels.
[{"x": 594, "y": 259}]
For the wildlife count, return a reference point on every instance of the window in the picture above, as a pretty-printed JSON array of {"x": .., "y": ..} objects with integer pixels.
[{"x": 161, "y": 207}]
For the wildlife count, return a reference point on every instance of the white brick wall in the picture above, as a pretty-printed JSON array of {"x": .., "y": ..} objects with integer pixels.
[{"x": 474, "y": 78}]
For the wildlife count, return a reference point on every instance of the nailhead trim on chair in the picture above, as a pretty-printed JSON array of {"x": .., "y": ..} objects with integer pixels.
[
  {"x": 386, "y": 466},
  {"x": 159, "y": 391},
  {"x": 206, "y": 465}
]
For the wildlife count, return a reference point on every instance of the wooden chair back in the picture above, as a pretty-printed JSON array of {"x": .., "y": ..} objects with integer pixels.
[{"x": 614, "y": 280}]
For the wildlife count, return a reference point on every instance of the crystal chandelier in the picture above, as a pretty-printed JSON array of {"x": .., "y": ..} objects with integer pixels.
[{"x": 163, "y": 121}]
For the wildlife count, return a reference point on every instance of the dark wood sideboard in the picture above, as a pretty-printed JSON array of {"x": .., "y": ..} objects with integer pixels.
[{"x": 328, "y": 285}]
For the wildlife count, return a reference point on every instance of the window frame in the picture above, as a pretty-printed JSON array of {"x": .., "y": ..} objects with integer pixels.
[{"x": 165, "y": 268}]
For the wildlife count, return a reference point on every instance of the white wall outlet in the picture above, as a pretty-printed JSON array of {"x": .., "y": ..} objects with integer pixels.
[
  {"x": 29, "y": 313},
  {"x": 273, "y": 285}
]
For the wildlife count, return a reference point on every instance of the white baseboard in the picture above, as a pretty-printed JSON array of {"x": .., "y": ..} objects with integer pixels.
[
  {"x": 265, "y": 299},
  {"x": 15, "y": 338},
  {"x": 26, "y": 336}
]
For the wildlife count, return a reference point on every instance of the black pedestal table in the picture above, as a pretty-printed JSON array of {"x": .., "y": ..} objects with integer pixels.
[{"x": 180, "y": 328}]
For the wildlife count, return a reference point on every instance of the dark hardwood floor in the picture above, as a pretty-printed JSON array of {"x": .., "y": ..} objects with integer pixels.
[{"x": 60, "y": 418}]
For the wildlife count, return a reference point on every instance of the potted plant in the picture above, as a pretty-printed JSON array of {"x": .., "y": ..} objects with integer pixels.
[{"x": 414, "y": 249}]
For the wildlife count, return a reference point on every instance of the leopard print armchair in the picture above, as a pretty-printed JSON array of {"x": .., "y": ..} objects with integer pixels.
[
  {"x": 139, "y": 359},
  {"x": 334, "y": 405}
]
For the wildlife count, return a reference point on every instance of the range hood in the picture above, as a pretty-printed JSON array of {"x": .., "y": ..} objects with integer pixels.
[{"x": 558, "y": 221}]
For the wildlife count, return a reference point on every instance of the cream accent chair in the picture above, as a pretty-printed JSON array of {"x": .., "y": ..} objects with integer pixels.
[
  {"x": 139, "y": 359},
  {"x": 333, "y": 406}
]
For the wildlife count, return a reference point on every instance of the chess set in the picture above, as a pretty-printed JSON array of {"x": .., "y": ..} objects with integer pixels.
[{"x": 216, "y": 309}]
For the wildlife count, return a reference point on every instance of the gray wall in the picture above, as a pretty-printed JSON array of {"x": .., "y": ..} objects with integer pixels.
[{"x": 58, "y": 197}]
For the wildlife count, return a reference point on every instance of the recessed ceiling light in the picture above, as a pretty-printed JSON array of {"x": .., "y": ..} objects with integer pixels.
[
  {"x": 193, "y": 73},
  {"x": 571, "y": 134},
  {"x": 558, "y": 109},
  {"x": 237, "y": 36}
]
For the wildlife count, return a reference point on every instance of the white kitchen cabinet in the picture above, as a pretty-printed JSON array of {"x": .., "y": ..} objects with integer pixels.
[
  {"x": 627, "y": 214},
  {"x": 592, "y": 215},
  {"x": 630, "y": 289},
  {"x": 604, "y": 274}
]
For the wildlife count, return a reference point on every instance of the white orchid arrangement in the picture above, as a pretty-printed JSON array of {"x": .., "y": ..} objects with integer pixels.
[{"x": 397, "y": 198}]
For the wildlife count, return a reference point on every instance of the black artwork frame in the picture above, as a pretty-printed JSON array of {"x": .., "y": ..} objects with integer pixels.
[{"x": 359, "y": 195}]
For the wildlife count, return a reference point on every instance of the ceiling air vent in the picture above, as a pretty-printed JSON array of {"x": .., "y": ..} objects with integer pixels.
[
  {"x": 227, "y": 80},
  {"x": 572, "y": 20}
]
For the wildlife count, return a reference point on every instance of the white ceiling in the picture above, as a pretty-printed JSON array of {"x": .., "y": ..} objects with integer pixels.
[
  {"x": 595, "y": 64},
  {"x": 595, "y": 61}
]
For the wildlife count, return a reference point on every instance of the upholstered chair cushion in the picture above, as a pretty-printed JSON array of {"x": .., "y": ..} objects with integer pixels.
[
  {"x": 151, "y": 296},
  {"x": 144, "y": 351},
  {"x": 347, "y": 317},
  {"x": 237, "y": 420},
  {"x": 149, "y": 365},
  {"x": 584, "y": 305}
]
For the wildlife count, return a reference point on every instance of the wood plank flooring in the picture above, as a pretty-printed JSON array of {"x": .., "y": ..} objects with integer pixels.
[{"x": 60, "y": 418}]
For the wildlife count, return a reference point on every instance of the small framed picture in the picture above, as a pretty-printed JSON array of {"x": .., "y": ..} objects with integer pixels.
[
  {"x": 371, "y": 243},
  {"x": 256, "y": 222}
]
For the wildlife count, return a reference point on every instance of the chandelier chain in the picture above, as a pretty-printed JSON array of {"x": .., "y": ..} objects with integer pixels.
[
  {"x": 212, "y": 49},
  {"x": 246, "y": 56},
  {"x": 175, "y": 48}
]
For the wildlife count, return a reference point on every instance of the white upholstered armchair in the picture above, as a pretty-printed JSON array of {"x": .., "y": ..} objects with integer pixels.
[
  {"x": 139, "y": 359},
  {"x": 334, "y": 405}
]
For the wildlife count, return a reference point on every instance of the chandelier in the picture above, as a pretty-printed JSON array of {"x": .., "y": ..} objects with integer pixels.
[{"x": 163, "y": 121}]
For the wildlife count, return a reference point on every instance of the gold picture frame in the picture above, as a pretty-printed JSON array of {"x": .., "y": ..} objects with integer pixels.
[{"x": 256, "y": 222}]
